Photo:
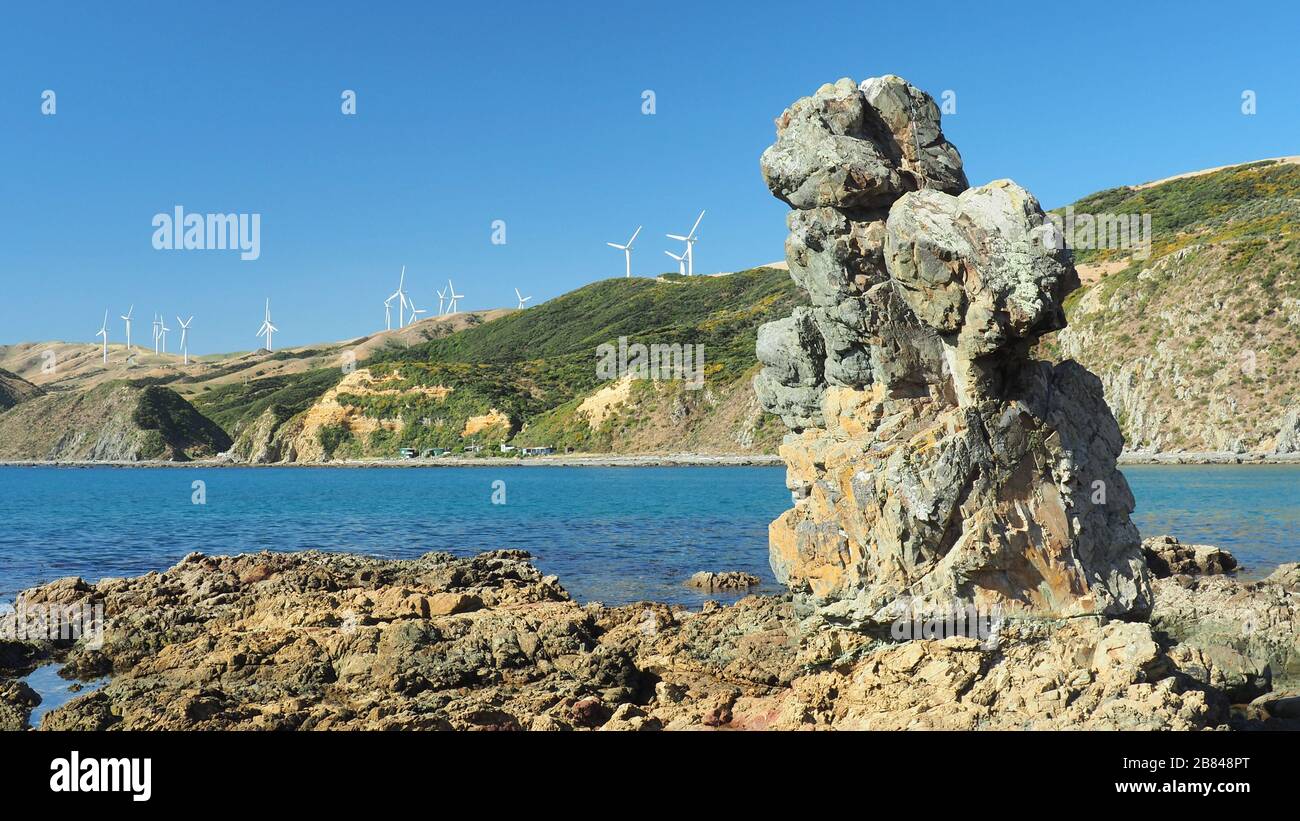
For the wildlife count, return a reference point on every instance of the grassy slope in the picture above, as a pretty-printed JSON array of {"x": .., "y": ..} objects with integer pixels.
[
  {"x": 537, "y": 365},
  {"x": 1197, "y": 344},
  {"x": 114, "y": 420}
]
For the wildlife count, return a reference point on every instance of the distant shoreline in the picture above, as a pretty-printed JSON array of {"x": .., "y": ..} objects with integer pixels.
[
  {"x": 627, "y": 460},
  {"x": 571, "y": 460}
]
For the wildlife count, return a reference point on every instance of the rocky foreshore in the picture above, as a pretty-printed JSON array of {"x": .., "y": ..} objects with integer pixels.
[{"x": 317, "y": 641}]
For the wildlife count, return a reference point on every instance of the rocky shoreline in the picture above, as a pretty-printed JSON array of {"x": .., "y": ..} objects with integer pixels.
[
  {"x": 337, "y": 641},
  {"x": 630, "y": 460}
]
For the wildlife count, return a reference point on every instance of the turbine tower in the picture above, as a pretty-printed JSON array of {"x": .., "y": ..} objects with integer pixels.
[
  {"x": 400, "y": 296},
  {"x": 185, "y": 332},
  {"x": 155, "y": 334},
  {"x": 627, "y": 249},
  {"x": 681, "y": 262},
  {"x": 453, "y": 296},
  {"x": 267, "y": 328},
  {"x": 127, "y": 317},
  {"x": 522, "y": 299},
  {"x": 103, "y": 331},
  {"x": 690, "y": 239},
  {"x": 162, "y": 331}
]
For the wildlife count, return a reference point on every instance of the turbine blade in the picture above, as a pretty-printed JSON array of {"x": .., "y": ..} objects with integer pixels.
[{"x": 677, "y": 237}]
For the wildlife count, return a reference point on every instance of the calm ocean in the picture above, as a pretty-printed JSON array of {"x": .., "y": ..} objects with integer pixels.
[{"x": 611, "y": 534}]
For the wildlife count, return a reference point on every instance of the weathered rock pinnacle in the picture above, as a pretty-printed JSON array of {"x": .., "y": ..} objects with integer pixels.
[{"x": 932, "y": 461}]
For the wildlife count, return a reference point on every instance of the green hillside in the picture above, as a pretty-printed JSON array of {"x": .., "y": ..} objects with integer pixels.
[
  {"x": 534, "y": 368},
  {"x": 1197, "y": 344}
]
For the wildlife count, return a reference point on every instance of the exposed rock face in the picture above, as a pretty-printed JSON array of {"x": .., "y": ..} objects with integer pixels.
[
  {"x": 1288, "y": 434},
  {"x": 331, "y": 641},
  {"x": 931, "y": 459},
  {"x": 1166, "y": 556},
  {"x": 726, "y": 580},
  {"x": 1250, "y": 631}
]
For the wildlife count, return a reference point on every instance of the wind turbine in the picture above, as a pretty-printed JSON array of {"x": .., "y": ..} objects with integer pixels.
[
  {"x": 627, "y": 249},
  {"x": 442, "y": 299},
  {"x": 388, "y": 314},
  {"x": 162, "y": 331},
  {"x": 185, "y": 331},
  {"x": 400, "y": 296},
  {"x": 415, "y": 312},
  {"x": 127, "y": 317},
  {"x": 690, "y": 240},
  {"x": 522, "y": 299},
  {"x": 155, "y": 334},
  {"x": 681, "y": 262},
  {"x": 103, "y": 331},
  {"x": 453, "y": 296},
  {"x": 267, "y": 328}
]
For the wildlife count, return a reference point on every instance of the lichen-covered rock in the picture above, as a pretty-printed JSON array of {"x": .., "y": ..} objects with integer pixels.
[
  {"x": 944, "y": 464},
  {"x": 1166, "y": 556}
]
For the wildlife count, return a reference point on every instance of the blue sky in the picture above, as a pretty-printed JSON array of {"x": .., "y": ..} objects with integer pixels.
[{"x": 531, "y": 114}]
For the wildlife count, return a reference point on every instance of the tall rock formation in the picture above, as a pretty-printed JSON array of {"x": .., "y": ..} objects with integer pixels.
[{"x": 931, "y": 461}]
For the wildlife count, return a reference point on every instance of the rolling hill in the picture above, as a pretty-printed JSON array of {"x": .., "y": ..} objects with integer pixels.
[{"x": 1198, "y": 344}]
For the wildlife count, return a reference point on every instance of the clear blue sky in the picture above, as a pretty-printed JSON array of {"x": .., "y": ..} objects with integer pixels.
[{"x": 531, "y": 113}]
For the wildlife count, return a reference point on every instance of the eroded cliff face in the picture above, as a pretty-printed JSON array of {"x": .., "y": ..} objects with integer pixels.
[{"x": 931, "y": 461}]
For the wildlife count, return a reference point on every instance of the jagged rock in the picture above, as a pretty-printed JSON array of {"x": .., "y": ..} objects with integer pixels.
[
  {"x": 1250, "y": 629},
  {"x": 16, "y": 703},
  {"x": 727, "y": 580},
  {"x": 851, "y": 147},
  {"x": 975, "y": 267},
  {"x": 332, "y": 641},
  {"x": 944, "y": 464},
  {"x": 1288, "y": 434},
  {"x": 791, "y": 381},
  {"x": 1166, "y": 556}
]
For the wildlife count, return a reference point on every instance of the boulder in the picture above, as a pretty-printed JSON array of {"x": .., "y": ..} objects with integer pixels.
[
  {"x": 943, "y": 464},
  {"x": 1166, "y": 556},
  {"x": 727, "y": 580}
]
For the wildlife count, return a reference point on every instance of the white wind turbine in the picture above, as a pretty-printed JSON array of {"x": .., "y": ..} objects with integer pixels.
[
  {"x": 453, "y": 297},
  {"x": 681, "y": 262},
  {"x": 155, "y": 334},
  {"x": 442, "y": 300},
  {"x": 162, "y": 331},
  {"x": 415, "y": 312},
  {"x": 127, "y": 317},
  {"x": 388, "y": 314},
  {"x": 690, "y": 240},
  {"x": 402, "y": 301},
  {"x": 627, "y": 249},
  {"x": 185, "y": 332},
  {"x": 522, "y": 299},
  {"x": 267, "y": 328},
  {"x": 103, "y": 331}
]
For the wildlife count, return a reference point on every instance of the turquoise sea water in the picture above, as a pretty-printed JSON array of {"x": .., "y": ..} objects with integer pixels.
[{"x": 611, "y": 534}]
